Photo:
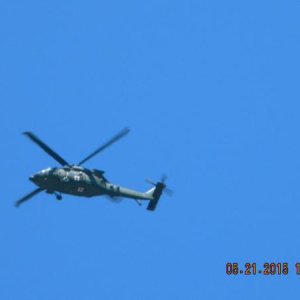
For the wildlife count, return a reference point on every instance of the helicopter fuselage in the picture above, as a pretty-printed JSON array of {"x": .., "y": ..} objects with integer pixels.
[{"x": 83, "y": 182}]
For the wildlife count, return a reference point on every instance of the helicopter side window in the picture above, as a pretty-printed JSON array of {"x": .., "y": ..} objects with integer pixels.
[
  {"x": 66, "y": 178},
  {"x": 60, "y": 172},
  {"x": 76, "y": 177}
]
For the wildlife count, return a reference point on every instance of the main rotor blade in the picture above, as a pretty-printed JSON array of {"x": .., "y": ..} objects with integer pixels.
[
  {"x": 27, "y": 197},
  {"x": 115, "y": 138},
  {"x": 46, "y": 148}
]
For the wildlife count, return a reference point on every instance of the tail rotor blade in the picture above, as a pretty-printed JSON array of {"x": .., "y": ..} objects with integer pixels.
[
  {"x": 28, "y": 197},
  {"x": 169, "y": 192},
  {"x": 46, "y": 148},
  {"x": 150, "y": 181},
  {"x": 115, "y": 138},
  {"x": 164, "y": 177}
]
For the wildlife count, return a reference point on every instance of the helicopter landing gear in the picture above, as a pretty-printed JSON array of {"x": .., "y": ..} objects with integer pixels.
[
  {"x": 58, "y": 196},
  {"x": 138, "y": 202}
]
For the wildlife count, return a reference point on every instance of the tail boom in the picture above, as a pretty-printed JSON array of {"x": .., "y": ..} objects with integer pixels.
[{"x": 153, "y": 195}]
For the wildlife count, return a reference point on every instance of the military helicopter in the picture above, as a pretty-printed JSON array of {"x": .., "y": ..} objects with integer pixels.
[{"x": 79, "y": 181}]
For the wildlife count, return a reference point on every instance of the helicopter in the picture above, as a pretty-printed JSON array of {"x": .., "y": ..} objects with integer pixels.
[{"x": 79, "y": 181}]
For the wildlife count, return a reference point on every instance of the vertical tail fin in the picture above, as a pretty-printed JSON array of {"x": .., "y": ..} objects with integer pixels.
[{"x": 155, "y": 194}]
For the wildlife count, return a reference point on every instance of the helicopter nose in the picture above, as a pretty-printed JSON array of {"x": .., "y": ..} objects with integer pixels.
[{"x": 31, "y": 178}]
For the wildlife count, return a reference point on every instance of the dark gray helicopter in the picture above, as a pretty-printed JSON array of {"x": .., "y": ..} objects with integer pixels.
[{"x": 79, "y": 181}]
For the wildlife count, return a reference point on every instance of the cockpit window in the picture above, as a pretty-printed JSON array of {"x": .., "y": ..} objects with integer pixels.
[{"x": 45, "y": 171}]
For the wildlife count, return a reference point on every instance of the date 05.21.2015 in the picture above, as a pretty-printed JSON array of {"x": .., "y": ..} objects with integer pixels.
[{"x": 272, "y": 268}]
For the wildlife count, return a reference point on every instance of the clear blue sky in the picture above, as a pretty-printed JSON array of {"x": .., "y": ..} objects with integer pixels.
[{"x": 210, "y": 90}]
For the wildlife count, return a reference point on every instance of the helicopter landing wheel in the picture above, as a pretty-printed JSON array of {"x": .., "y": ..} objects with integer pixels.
[{"x": 58, "y": 197}]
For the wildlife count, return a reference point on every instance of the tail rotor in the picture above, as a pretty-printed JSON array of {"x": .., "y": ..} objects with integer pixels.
[
  {"x": 163, "y": 180},
  {"x": 156, "y": 192}
]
